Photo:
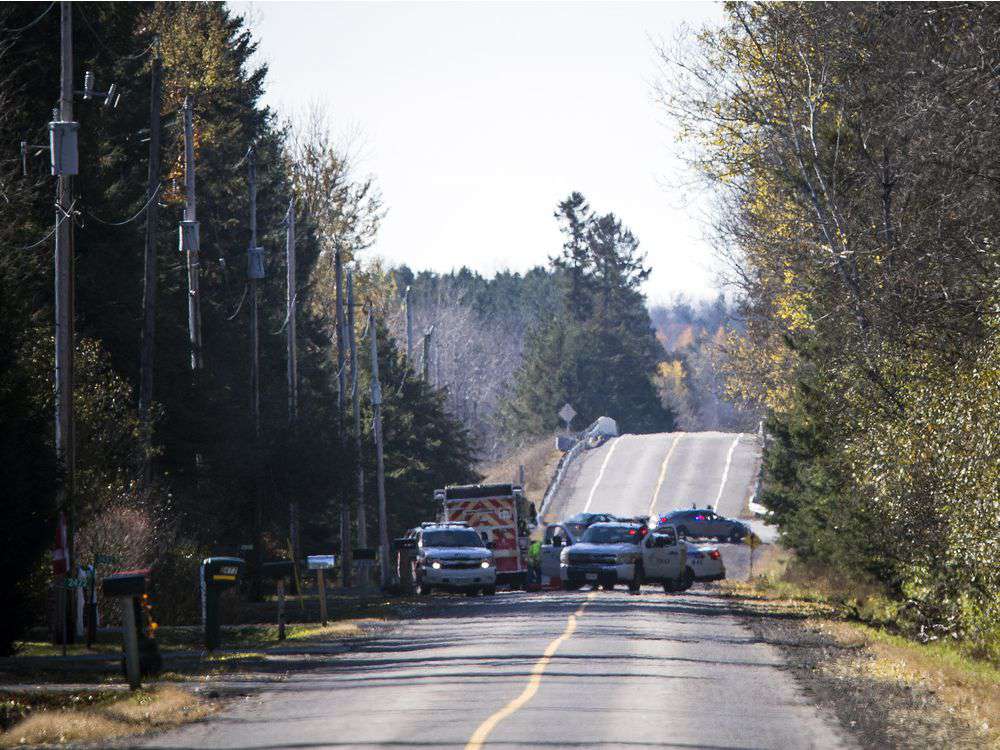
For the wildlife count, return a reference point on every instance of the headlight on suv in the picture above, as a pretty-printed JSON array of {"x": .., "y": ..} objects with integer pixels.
[
  {"x": 434, "y": 564},
  {"x": 486, "y": 564}
]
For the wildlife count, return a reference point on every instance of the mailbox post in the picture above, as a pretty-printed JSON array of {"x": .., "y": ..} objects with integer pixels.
[
  {"x": 128, "y": 587},
  {"x": 217, "y": 575},
  {"x": 279, "y": 571},
  {"x": 319, "y": 563}
]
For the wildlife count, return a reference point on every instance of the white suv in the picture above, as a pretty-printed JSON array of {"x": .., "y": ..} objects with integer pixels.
[{"x": 453, "y": 557}]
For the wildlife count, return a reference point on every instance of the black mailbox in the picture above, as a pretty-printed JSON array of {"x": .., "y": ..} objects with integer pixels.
[
  {"x": 217, "y": 575},
  {"x": 128, "y": 583},
  {"x": 278, "y": 569}
]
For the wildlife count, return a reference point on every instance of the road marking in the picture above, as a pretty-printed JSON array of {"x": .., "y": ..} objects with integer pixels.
[
  {"x": 663, "y": 474},
  {"x": 484, "y": 730},
  {"x": 600, "y": 474},
  {"x": 725, "y": 473}
]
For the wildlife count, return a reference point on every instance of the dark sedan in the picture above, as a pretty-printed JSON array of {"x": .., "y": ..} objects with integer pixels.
[{"x": 706, "y": 523}]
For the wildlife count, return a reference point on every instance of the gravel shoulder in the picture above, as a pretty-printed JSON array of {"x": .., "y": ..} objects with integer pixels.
[{"x": 838, "y": 668}]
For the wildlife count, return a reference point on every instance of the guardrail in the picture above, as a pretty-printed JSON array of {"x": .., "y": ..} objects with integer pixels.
[{"x": 582, "y": 443}]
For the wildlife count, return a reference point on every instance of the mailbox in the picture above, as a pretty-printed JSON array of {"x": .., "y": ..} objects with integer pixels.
[
  {"x": 217, "y": 575},
  {"x": 141, "y": 654},
  {"x": 131, "y": 583},
  {"x": 279, "y": 569}
]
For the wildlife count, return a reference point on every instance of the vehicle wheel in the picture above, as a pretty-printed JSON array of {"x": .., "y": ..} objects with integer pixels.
[
  {"x": 669, "y": 586},
  {"x": 723, "y": 538},
  {"x": 736, "y": 538},
  {"x": 490, "y": 590},
  {"x": 687, "y": 580},
  {"x": 608, "y": 586},
  {"x": 567, "y": 586},
  {"x": 635, "y": 584},
  {"x": 472, "y": 592},
  {"x": 424, "y": 589}
]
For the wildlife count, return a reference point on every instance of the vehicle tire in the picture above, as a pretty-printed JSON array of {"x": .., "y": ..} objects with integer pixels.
[
  {"x": 424, "y": 589},
  {"x": 722, "y": 538},
  {"x": 490, "y": 590},
  {"x": 608, "y": 586},
  {"x": 687, "y": 580},
  {"x": 567, "y": 586},
  {"x": 736, "y": 538},
  {"x": 669, "y": 586},
  {"x": 472, "y": 592},
  {"x": 635, "y": 585}
]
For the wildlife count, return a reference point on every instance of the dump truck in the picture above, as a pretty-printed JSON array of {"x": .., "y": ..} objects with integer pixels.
[{"x": 503, "y": 517}]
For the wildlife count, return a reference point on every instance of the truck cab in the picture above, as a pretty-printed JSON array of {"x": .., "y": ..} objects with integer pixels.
[
  {"x": 452, "y": 557},
  {"x": 611, "y": 553}
]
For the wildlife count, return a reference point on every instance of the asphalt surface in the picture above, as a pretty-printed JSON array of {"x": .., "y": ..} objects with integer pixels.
[{"x": 573, "y": 670}]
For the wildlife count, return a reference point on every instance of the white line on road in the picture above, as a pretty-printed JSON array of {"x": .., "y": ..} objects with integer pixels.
[
  {"x": 481, "y": 734},
  {"x": 600, "y": 474},
  {"x": 725, "y": 473},
  {"x": 663, "y": 474}
]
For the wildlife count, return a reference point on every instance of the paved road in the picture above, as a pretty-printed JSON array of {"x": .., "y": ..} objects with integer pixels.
[{"x": 575, "y": 670}]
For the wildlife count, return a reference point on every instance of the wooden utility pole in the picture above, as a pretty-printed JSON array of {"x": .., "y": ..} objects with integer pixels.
[
  {"x": 255, "y": 271},
  {"x": 64, "y": 307},
  {"x": 383, "y": 521},
  {"x": 427, "y": 354},
  {"x": 345, "y": 509},
  {"x": 356, "y": 404},
  {"x": 191, "y": 239},
  {"x": 409, "y": 326},
  {"x": 150, "y": 277},
  {"x": 253, "y": 274},
  {"x": 293, "y": 364}
]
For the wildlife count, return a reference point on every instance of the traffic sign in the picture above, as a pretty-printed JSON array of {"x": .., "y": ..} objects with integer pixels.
[
  {"x": 76, "y": 583},
  {"x": 321, "y": 562},
  {"x": 567, "y": 413},
  {"x": 105, "y": 560}
]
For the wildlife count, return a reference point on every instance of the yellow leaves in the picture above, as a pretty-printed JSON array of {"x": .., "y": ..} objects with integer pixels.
[{"x": 792, "y": 306}]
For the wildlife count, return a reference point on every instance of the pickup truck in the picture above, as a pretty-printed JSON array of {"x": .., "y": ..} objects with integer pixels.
[{"x": 610, "y": 553}]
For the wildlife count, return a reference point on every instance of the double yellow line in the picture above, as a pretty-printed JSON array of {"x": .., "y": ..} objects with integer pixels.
[{"x": 484, "y": 730}]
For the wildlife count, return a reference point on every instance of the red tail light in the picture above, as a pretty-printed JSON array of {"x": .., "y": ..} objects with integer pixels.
[{"x": 714, "y": 554}]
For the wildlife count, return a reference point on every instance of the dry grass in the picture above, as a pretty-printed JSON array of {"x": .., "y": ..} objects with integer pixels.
[
  {"x": 852, "y": 613},
  {"x": 970, "y": 689},
  {"x": 135, "y": 714},
  {"x": 540, "y": 459}
]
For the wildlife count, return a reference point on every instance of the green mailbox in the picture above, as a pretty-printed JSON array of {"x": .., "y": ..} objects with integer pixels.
[{"x": 217, "y": 575}]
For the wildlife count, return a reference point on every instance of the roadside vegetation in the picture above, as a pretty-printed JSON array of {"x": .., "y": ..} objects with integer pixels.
[
  {"x": 846, "y": 635},
  {"x": 850, "y": 147}
]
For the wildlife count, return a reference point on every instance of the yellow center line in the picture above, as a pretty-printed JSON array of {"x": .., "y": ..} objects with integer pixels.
[
  {"x": 663, "y": 474},
  {"x": 484, "y": 730},
  {"x": 600, "y": 474}
]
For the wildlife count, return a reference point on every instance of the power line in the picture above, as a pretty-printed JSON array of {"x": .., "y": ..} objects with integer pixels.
[
  {"x": 66, "y": 215},
  {"x": 25, "y": 28},
  {"x": 100, "y": 41},
  {"x": 141, "y": 211}
]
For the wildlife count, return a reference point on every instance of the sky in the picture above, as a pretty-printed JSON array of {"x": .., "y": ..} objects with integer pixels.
[{"x": 477, "y": 118}]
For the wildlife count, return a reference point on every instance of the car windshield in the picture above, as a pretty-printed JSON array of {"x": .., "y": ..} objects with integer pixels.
[
  {"x": 580, "y": 518},
  {"x": 452, "y": 538},
  {"x": 612, "y": 535}
]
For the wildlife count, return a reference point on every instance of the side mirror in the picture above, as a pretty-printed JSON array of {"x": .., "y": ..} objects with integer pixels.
[
  {"x": 557, "y": 541},
  {"x": 488, "y": 545}
]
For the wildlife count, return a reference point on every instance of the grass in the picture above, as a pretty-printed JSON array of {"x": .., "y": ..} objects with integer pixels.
[
  {"x": 56, "y": 719},
  {"x": 859, "y": 616}
]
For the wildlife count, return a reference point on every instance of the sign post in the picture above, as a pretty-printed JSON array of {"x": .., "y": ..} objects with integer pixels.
[
  {"x": 753, "y": 542},
  {"x": 566, "y": 414},
  {"x": 319, "y": 563}
]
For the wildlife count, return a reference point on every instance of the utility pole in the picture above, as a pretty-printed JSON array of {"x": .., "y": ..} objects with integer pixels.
[
  {"x": 409, "y": 326},
  {"x": 356, "y": 404},
  {"x": 64, "y": 299},
  {"x": 345, "y": 510},
  {"x": 293, "y": 362},
  {"x": 383, "y": 522},
  {"x": 149, "y": 277},
  {"x": 427, "y": 354},
  {"x": 190, "y": 238},
  {"x": 255, "y": 271}
]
